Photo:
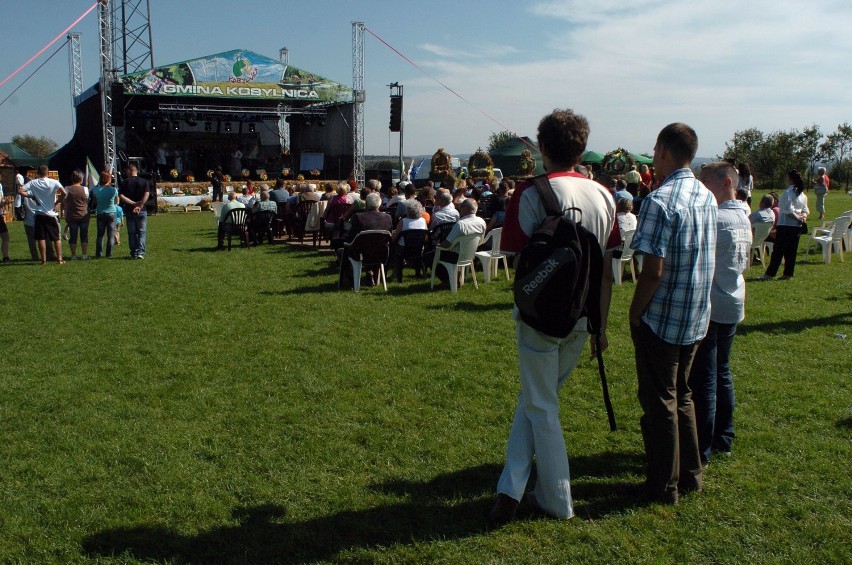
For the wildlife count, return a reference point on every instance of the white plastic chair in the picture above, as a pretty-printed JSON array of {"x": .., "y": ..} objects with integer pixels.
[
  {"x": 490, "y": 260},
  {"x": 626, "y": 257},
  {"x": 465, "y": 246},
  {"x": 759, "y": 234},
  {"x": 847, "y": 237},
  {"x": 831, "y": 237},
  {"x": 216, "y": 207}
]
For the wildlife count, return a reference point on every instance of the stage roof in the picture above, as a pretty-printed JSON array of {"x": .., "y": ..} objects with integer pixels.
[{"x": 238, "y": 74}]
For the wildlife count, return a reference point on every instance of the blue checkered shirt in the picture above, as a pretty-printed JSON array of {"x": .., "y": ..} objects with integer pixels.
[{"x": 678, "y": 223}]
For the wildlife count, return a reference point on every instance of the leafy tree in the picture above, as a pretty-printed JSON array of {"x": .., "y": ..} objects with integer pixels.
[
  {"x": 809, "y": 147},
  {"x": 771, "y": 156},
  {"x": 498, "y": 139},
  {"x": 384, "y": 164},
  {"x": 837, "y": 149},
  {"x": 35, "y": 146}
]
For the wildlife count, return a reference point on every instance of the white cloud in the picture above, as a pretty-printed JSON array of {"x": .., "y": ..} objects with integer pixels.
[
  {"x": 633, "y": 67},
  {"x": 485, "y": 51}
]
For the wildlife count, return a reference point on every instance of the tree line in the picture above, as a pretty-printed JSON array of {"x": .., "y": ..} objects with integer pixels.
[{"x": 771, "y": 155}]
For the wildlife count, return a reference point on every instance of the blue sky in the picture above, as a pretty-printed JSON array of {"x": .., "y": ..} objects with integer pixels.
[{"x": 630, "y": 66}]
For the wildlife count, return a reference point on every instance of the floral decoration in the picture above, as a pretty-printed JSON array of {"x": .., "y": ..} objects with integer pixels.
[
  {"x": 246, "y": 173},
  {"x": 174, "y": 173}
]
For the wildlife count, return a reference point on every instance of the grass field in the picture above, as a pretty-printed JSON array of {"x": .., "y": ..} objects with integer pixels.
[{"x": 234, "y": 407}]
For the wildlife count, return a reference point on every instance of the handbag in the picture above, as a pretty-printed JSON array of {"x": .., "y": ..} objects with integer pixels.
[{"x": 803, "y": 227}]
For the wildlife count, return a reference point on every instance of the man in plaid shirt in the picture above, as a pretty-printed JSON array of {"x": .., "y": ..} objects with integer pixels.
[{"x": 670, "y": 312}]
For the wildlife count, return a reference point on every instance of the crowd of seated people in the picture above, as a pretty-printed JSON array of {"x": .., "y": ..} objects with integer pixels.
[{"x": 443, "y": 213}]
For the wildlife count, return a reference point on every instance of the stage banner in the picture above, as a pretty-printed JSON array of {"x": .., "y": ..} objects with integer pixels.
[{"x": 236, "y": 74}]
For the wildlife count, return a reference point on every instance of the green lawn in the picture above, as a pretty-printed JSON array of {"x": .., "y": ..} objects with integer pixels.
[{"x": 205, "y": 406}]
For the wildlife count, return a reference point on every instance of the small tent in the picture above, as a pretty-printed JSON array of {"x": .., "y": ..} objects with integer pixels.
[
  {"x": 507, "y": 157},
  {"x": 592, "y": 158}
]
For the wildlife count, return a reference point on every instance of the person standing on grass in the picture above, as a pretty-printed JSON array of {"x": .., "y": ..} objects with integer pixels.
[
  {"x": 133, "y": 194},
  {"x": 545, "y": 361},
  {"x": 106, "y": 197},
  {"x": 745, "y": 181},
  {"x": 792, "y": 213},
  {"x": 77, "y": 214},
  {"x": 821, "y": 183},
  {"x": 43, "y": 192},
  {"x": 217, "y": 180},
  {"x": 710, "y": 377},
  {"x": 670, "y": 312},
  {"x": 4, "y": 231}
]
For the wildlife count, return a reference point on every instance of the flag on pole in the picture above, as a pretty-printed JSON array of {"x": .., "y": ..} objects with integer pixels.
[{"x": 91, "y": 177}]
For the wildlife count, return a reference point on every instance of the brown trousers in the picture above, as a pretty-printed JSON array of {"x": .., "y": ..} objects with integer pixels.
[{"x": 668, "y": 415}]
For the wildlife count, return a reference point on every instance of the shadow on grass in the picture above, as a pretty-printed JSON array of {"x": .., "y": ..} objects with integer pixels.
[
  {"x": 448, "y": 507},
  {"x": 840, "y": 298},
  {"x": 596, "y": 494},
  {"x": 845, "y": 423},
  {"x": 795, "y": 326}
]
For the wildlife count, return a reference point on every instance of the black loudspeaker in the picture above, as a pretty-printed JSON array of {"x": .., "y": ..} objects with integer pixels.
[
  {"x": 395, "y": 112},
  {"x": 117, "y": 104}
]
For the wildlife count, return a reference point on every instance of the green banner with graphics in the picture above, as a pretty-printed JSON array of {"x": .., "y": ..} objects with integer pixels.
[{"x": 237, "y": 74}]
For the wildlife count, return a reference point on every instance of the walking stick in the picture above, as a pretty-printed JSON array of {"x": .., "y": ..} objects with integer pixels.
[{"x": 610, "y": 414}]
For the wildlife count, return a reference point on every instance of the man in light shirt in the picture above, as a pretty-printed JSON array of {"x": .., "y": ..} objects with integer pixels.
[{"x": 43, "y": 192}]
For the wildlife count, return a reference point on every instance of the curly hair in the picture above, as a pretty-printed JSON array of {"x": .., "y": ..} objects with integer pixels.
[{"x": 562, "y": 136}]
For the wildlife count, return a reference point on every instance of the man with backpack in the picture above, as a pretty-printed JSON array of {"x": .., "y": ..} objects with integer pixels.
[
  {"x": 670, "y": 312},
  {"x": 545, "y": 360}
]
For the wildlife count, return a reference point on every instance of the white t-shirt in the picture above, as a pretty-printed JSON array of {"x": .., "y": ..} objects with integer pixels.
[
  {"x": 596, "y": 203},
  {"x": 626, "y": 222},
  {"x": 44, "y": 189}
]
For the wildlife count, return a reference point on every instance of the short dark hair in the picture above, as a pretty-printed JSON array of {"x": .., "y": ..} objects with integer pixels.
[
  {"x": 562, "y": 136},
  {"x": 681, "y": 141},
  {"x": 43, "y": 170},
  {"x": 76, "y": 176},
  {"x": 106, "y": 178}
]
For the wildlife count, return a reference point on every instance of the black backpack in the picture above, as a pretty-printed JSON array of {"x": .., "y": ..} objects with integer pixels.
[{"x": 558, "y": 277}]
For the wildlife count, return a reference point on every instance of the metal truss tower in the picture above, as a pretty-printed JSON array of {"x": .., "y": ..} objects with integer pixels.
[
  {"x": 126, "y": 47},
  {"x": 132, "y": 43},
  {"x": 283, "y": 126},
  {"x": 76, "y": 68},
  {"x": 358, "y": 106},
  {"x": 107, "y": 78},
  {"x": 76, "y": 60}
]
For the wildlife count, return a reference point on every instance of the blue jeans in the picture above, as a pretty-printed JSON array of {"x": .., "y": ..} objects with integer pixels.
[
  {"x": 106, "y": 226},
  {"x": 713, "y": 389},
  {"x": 80, "y": 227},
  {"x": 136, "y": 232}
]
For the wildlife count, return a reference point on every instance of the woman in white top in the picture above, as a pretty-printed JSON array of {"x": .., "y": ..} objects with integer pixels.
[
  {"x": 625, "y": 217},
  {"x": 413, "y": 220},
  {"x": 746, "y": 180},
  {"x": 793, "y": 212}
]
